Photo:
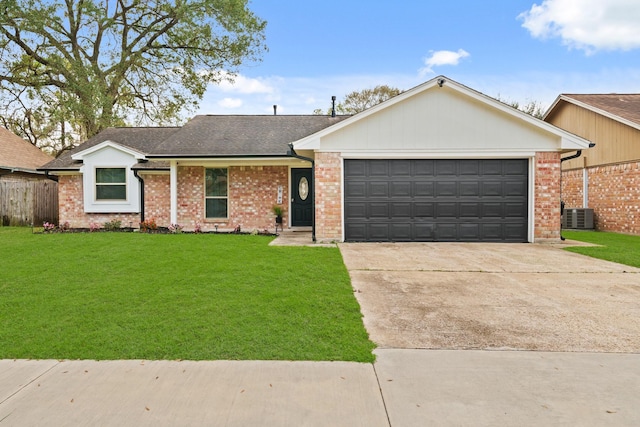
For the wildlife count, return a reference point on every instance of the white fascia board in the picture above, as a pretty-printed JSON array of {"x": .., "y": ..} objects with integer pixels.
[
  {"x": 309, "y": 143},
  {"x": 572, "y": 142},
  {"x": 134, "y": 153},
  {"x": 495, "y": 154},
  {"x": 237, "y": 161}
]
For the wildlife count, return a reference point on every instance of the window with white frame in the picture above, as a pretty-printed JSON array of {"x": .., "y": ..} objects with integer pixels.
[
  {"x": 216, "y": 193},
  {"x": 111, "y": 184}
]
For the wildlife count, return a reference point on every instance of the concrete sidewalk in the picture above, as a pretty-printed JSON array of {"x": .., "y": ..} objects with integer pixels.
[
  {"x": 403, "y": 388},
  {"x": 184, "y": 393}
]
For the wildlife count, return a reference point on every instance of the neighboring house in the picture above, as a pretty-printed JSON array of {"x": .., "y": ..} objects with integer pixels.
[
  {"x": 607, "y": 177},
  {"x": 27, "y": 196},
  {"x": 19, "y": 159},
  {"x": 439, "y": 162}
]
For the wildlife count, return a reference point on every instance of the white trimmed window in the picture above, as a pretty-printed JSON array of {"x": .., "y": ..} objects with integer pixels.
[
  {"x": 216, "y": 193},
  {"x": 108, "y": 182},
  {"x": 111, "y": 184}
]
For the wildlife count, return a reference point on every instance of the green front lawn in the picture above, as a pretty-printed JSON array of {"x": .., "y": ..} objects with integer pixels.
[
  {"x": 178, "y": 296},
  {"x": 620, "y": 248}
]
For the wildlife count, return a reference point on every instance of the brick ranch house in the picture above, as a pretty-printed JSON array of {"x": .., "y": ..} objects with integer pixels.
[
  {"x": 439, "y": 162},
  {"x": 607, "y": 177}
]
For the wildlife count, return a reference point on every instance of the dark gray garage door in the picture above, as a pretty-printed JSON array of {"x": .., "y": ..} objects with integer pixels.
[{"x": 436, "y": 200}]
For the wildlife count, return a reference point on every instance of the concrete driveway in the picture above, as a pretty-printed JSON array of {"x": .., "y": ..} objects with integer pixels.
[{"x": 494, "y": 296}]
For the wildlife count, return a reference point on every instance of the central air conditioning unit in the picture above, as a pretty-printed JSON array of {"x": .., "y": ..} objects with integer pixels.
[{"x": 580, "y": 219}]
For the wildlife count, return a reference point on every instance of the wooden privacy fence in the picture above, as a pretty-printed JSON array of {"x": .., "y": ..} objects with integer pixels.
[{"x": 28, "y": 202}]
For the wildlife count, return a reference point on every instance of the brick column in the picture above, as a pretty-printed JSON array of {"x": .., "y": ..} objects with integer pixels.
[
  {"x": 328, "y": 196},
  {"x": 546, "y": 219}
]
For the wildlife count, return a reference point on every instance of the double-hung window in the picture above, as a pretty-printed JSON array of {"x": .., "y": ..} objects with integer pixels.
[
  {"x": 111, "y": 184},
  {"x": 216, "y": 193}
]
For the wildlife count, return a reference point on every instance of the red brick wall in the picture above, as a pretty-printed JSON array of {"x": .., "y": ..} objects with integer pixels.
[
  {"x": 253, "y": 190},
  {"x": 252, "y": 193},
  {"x": 71, "y": 207},
  {"x": 546, "y": 214},
  {"x": 572, "y": 188},
  {"x": 190, "y": 198},
  {"x": 614, "y": 196},
  {"x": 328, "y": 184},
  {"x": 157, "y": 203}
]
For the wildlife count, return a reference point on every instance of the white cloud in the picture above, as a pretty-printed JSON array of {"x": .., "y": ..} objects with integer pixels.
[
  {"x": 296, "y": 95},
  {"x": 303, "y": 95},
  {"x": 589, "y": 25},
  {"x": 230, "y": 103},
  {"x": 242, "y": 84},
  {"x": 442, "y": 57}
]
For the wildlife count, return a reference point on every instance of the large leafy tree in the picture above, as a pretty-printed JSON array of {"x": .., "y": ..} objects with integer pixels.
[
  {"x": 359, "y": 100},
  {"x": 75, "y": 67}
]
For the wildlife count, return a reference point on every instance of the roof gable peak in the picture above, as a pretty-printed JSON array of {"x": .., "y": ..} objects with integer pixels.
[{"x": 110, "y": 144}]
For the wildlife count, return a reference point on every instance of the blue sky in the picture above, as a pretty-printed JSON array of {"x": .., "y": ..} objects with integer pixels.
[{"x": 518, "y": 50}]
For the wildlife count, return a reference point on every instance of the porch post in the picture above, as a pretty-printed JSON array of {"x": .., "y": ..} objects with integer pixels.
[{"x": 173, "y": 183}]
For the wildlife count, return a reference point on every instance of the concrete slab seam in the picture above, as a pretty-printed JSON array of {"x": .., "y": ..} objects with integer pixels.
[
  {"x": 28, "y": 384},
  {"x": 424, "y": 270},
  {"x": 384, "y": 403}
]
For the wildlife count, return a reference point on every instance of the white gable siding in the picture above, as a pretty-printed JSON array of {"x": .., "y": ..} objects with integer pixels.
[
  {"x": 440, "y": 122},
  {"x": 109, "y": 157}
]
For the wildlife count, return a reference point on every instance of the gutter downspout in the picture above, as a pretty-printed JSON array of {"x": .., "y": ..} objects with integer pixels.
[
  {"x": 135, "y": 173},
  {"x": 564, "y": 159},
  {"x": 52, "y": 178},
  {"x": 292, "y": 153},
  {"x": 573, "y": 156}
]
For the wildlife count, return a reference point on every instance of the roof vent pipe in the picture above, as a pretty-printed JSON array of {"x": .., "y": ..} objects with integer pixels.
[
  {"x": 333, "y": 106},
  {"x": 275, "y": 108}
]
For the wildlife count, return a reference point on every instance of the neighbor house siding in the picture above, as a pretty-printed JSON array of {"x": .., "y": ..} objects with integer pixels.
[
  {"x": 615, "y": 141},
  {"x": 547, "y": 196},
  {"x": 573, "y": 188},
  {"x": 612, "y": 168},
  {"x": 614, "y": 196}
]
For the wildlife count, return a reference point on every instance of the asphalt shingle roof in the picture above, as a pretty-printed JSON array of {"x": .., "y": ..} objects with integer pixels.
[
  {"x": 15, "y": 152},
  {"x": 142, "y": 139},
  {"x": 208, "y": 136},
  {"x": 626, "y": 106},
  {"x": 219, "y": 136}
]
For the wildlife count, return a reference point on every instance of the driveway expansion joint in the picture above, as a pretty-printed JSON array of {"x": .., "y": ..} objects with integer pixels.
[
  {"x": 384, "y": 403},
  {"x": 20, "y": 389}
]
